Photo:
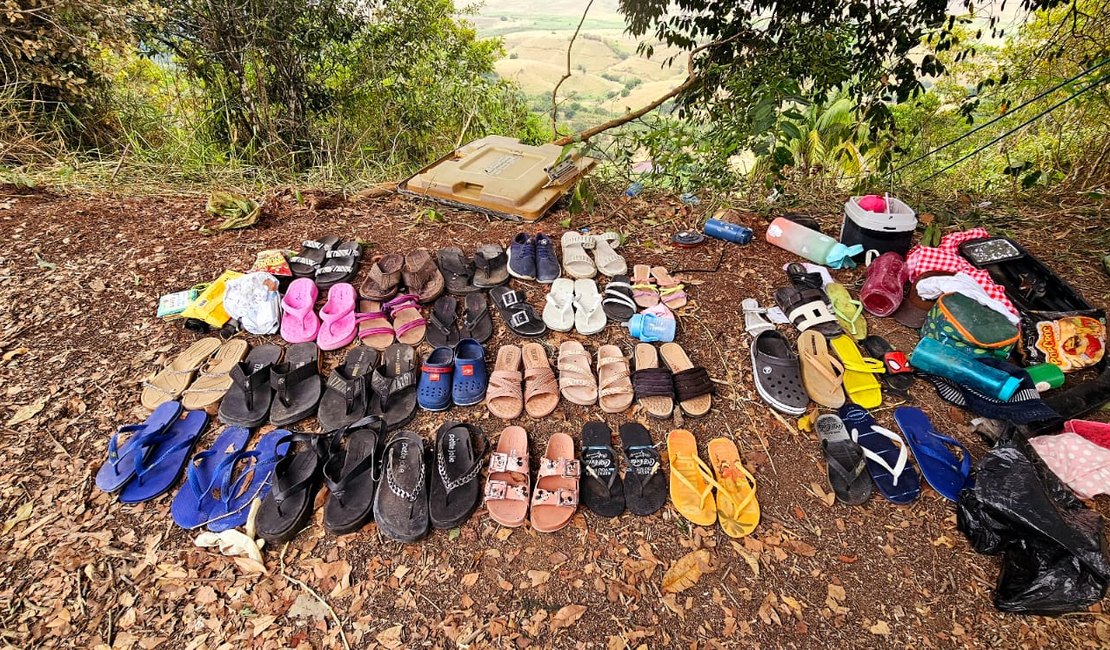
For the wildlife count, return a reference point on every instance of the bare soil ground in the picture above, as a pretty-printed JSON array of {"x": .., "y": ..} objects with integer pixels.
[{"x": 79, "y": 280}]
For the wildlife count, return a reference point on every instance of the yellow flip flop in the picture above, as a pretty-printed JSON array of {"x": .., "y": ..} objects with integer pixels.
[
  {"x": 848, "y": 311},
  {"x": 691, "y": 479},
  {"x": 860, "y": 382},
  {"x": 736, "y": 503}
]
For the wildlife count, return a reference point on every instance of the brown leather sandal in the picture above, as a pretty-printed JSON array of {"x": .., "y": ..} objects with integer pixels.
[
  {"x": 422, "y": 276},
  {"x": 384, "y": 279}
]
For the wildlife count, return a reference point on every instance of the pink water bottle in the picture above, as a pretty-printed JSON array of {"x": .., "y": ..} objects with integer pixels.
[{"x": 810, "y": 244}]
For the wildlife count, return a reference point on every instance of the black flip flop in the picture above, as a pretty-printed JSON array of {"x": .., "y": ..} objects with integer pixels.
[
  {"x": 442, "y": 331},
  {"x": 457, "y": 270},
  {"x": 898, "y": 376},
  {"x": 247, "y": 401},
  {"x": 491, "y": 266},
  {"x": 312, "y": 255},
  {"x": 401, "y": 504},
  {"x": 340, "y": 264},
  {"x": 394, "y": 386},
  {"x": 618, "y": 303},
  {"x": 847, "y": 467},
  {"x": 456, "y": 482},
  {"x": 297, "y": 384},
  {"x": 296, "y": 478},
  {"x": 476, "y": 323},
  {"x": 602, "y": 486},
  {"x": 346, "y": 393},
  {"x": 519, "y": 316},
  {"x": 645, "y": 487},
  {"x": 350, "y": 473}
]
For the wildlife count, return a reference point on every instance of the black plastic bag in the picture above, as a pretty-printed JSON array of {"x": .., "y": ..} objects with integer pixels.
[{"x": 1054, "y": 559}]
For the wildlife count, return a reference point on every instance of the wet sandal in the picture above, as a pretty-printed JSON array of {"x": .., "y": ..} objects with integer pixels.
[
  {"x": 555, "y": 499},
  {"x": 602, "y": 486},
  {"x": 456, "y": 483}
]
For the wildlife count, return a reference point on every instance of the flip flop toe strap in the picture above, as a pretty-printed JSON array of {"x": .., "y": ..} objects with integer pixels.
[
  {"x": 599, "y": 460},
  {"x": 683, "y": 464},
  {"x": 903, "y": 454},
  {"x": 838, "y": 468}
]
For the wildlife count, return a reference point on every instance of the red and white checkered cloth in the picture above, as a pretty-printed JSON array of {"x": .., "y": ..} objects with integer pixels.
[{"x": 947, "y": 258}]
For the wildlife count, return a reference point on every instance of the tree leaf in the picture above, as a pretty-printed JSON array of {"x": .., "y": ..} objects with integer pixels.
[
  {"x": 567, "y": 616},
  {"x": 686, "y": 572},
  {"x": 27, "y": 411}
]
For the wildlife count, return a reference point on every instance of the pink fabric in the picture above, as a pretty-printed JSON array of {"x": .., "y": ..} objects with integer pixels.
[
  {"x": 947, "y": 258},
  {"x": 1078, "y": 462},
  {"x": 660, "y": 310},
  {"x": 299, "y": 324},
  {"x": 1096, "y": 432},
  {"x": 338, "y": 315}
]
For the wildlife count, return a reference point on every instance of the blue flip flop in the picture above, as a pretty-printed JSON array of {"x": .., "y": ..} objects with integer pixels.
[
  {"x": 239, "y": 488},
  {"x": 203, "y": 473},
  {"x": 158, "y": 470},
  {"x": 120, "y": 466},
  {"x": 469, "y": 384},
  {"x": 886, "y": 454},
  {"x": 940, "y": 467}
]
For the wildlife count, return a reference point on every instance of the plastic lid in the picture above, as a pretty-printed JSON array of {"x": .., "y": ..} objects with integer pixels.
[
  {"x": 840, "y": 256},
  {"x": 1009, "y": 388}
]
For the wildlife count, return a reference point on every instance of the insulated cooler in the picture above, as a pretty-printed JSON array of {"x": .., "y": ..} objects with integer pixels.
[{"x": 878, "y": 231}]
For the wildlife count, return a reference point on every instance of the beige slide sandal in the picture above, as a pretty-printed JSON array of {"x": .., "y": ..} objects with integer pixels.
[
  {"x": 692, "y": 385},
  {"x": 214, "y": 377},
  {"x": 555, "y": 499},
  {"x": 653, "y": 386},
  {"x": 576, "y": 378},
  {"x": 172, "y": 380},
  {"x": 507, "y": 488},
  {"x": 541, "y": 390},
  {"x": 613, "y": 378},
  {"x": 504, "y": 396}
]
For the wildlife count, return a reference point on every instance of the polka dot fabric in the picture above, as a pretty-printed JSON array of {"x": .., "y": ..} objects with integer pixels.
[{"x": 1083, "y": 465}]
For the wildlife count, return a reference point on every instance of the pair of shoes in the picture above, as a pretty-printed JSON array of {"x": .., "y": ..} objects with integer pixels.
[
  {"x": 198, "y": 376},
  {"x": 693, "y": 484},
  {"x": 512, "y": 392},
  {"x": 266, "y": 385},
  {"x": 508, "y": 496},
  {"x": 418, "y": 270},
  {"x": 606, "y": 260},
  {"x": 399, "y": 318},
  {"x": 654, "y": 284},
  {"x": 574, "y": 304},
  {"x": 453, "y": 376},
  {"x": 335, "y": 325},
  {"x": 223, "y": 481},
  {"x": 657, "y": 388},
  {"x": 612, "y": 388},
  {"x": 533, "y": 258},
  {"x": 642, "y": 489},
  {"x": 463, "y": 275},
  {"x": 326, "y": 261},
  {"x": 827, "y": 380},
  {"x": 447, "y": 331}
]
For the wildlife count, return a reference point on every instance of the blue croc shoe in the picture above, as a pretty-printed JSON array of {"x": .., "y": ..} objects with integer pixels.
[
  {"x": 522, "y": 257},
  {"x": 433, "y": 391},
  {"x": 547, "y": 262},
  {"x": 469, "y": 385}
]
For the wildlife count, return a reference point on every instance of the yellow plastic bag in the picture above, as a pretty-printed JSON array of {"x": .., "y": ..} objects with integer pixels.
[{"x": 209, "y": 305}]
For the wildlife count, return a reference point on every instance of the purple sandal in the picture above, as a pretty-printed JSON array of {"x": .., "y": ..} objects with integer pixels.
[
  {"x": 409, "y": 324},
  {"x": 374, "y": 329}
]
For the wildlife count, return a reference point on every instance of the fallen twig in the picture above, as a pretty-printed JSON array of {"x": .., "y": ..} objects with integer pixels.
[{"x": 312, "y": 592}]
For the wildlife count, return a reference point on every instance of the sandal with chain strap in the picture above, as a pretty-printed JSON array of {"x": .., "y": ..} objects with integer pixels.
[
  {"x": 401, "y": 504},
  {"x": 456, "y": 483}
]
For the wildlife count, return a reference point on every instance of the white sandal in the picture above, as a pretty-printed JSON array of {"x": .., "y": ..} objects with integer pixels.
[
  {"x": 608, "y": 261},
  {"x": 558, "y": 312},
  {"x": 577, "y": 263},
  {"x": 589, "y": 317}
]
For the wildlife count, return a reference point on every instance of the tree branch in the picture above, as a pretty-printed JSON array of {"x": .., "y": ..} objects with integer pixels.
[
  {"x": 692, "y": 78},
  {"x": 555, "y": 90}
]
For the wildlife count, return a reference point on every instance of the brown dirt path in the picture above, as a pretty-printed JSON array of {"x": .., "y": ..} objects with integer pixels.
[{"x": 79, "y": 280}]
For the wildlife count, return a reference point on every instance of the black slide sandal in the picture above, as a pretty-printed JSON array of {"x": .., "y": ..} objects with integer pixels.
[
  {"x": 456, "y": 483},
  {"x": 346, "y": 395},
  {"x": 519, "y": 316},
  {"x": 394, "y": 386},
  {"x": 349, "y": 473},
  {"x": 288, "y": 506},
  {"x": 401, "y": 504},
  {"x": 441, "y": 331},
  {"x": 476, "y": 323},
  {"x": 340, "y": 264},
  {"x": 645, "y": 489},
  {"x": 247, "y": 401},
  {"x": 618, "y": 303},
  {"x": 602, "y": 486},
  {"x": 312, "y": 255},
  {"x": 297, "y": 384}
]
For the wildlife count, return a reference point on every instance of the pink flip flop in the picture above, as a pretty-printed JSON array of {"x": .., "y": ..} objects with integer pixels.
[
  {"x": 338, "y": 316},
  {"x": 299, "y": 324}
]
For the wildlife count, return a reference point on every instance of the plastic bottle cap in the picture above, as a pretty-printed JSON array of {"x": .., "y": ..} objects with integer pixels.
[{"x": 1009, "y": 388}]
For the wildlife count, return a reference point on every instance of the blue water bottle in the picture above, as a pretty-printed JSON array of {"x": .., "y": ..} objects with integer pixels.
[
  {"x": 732, "y": 232},
  {"x": 650, "y": 328},
  {"x": 933, "y": 357}
]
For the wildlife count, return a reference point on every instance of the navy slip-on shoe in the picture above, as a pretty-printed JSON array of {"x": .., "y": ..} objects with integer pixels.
[
  {"x": 469, "y": 385},
  {"x": 433, "y": 391}
]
